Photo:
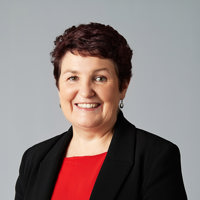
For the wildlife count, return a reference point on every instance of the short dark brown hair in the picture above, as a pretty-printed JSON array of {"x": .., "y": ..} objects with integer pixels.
[{"x": 94, "y": 39}]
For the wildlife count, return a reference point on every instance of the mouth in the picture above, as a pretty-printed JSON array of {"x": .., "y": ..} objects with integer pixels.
[{"x": 88, "y": 105}]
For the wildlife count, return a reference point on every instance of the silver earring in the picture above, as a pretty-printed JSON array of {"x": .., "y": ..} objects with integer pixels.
[{"x": 121, "y": 105}]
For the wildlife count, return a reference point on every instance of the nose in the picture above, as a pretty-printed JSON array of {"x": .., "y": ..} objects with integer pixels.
[{"x": 86, "y": 89}]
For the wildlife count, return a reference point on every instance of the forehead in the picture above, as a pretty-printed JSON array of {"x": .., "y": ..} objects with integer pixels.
[{"x": 76, "y": 62}]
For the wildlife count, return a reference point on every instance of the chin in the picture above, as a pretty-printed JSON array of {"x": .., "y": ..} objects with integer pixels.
[{"x": 88, "y": 124}]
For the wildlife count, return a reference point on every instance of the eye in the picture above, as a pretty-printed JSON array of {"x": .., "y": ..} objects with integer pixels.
[
  {"x": 72, "y": 78},
  {"x": 100, "y": 79}
]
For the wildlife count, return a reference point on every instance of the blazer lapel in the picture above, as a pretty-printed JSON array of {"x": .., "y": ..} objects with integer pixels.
[
  {"x": 50, "y": 167},
  {"x": 118, "y": 162}
]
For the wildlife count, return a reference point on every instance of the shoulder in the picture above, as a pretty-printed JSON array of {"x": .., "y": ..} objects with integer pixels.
[
  {"x": 144, "y": 142},
  {"x": 156, "y": 151},
  {"x": 158, "y": 155},
  {"x": 147, "y": 145},
  {"x": 37, "y": 152},
  {"x": 147, "y": 140},
  {"x": 44, "y": 145}
]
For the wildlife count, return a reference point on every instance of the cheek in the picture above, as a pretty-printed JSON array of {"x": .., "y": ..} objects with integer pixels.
[
  {"x": 66, "y": 94},
  {"x": 111, "y": 95}
]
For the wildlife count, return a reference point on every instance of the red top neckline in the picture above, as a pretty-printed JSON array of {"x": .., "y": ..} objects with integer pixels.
[
  {"x": 85, "y": 157},
  {"x": 77, "y": 177}
]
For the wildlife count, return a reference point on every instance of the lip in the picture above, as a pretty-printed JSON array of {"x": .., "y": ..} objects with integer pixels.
[{"x": 89, "y": 106}]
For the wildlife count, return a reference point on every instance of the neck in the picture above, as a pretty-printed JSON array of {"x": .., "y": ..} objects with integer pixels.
[{"x": 86, "y": 142}]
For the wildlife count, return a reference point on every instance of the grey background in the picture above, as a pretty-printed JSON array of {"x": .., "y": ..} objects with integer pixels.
[{"x": 163, "y": 96}]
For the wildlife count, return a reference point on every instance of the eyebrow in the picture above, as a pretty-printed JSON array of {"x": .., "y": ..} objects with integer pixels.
[
  {"x": 102, "y": 69},
  {"x": 76, "y": 72},
  {"x": 70, "y": 71}
]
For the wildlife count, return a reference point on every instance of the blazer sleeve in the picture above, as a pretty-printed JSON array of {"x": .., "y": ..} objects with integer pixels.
[
  {"x": 20, "y": 186},
  {"x": 163, "y": 175}
]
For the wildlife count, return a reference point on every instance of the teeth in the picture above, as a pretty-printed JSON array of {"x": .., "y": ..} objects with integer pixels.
[{"x": 87, "y": 105}]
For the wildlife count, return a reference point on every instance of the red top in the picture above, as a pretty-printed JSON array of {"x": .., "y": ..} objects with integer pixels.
[{"x": 77, "y": 177}]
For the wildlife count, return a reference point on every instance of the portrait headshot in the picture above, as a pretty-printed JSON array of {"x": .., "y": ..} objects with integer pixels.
[{"x": 100, "y": 100}]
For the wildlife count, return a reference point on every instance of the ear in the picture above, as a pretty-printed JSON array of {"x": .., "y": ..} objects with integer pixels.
[{"x": 124, "y": 89}]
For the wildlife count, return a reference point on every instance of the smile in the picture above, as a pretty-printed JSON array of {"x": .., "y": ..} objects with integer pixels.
[{"x": 88, "y": 105}]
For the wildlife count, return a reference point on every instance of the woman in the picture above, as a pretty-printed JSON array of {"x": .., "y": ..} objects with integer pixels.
[{"x": 102, "y": 156}]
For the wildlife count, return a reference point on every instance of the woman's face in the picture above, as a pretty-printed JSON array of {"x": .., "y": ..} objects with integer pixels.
[{"x": 89, "y": 91}]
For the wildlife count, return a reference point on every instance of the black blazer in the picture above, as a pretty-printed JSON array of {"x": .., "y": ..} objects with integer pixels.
[{"x": 138, "y": 166}]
